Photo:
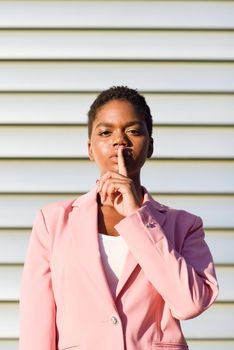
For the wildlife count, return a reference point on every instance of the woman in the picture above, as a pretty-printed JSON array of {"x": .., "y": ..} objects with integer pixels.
[{"x": 114, "y": 269}]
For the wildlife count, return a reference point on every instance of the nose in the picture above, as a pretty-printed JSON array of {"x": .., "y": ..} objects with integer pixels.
[{"x": 120, "y": 138}]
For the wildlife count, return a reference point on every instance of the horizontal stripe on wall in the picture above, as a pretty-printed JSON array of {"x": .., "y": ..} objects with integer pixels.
[
  {"x": 211, "y": 345},
  {"x": 10, "y": 344},
  {"x": 9, "y": 320},
  {"x": 10, "y": 279},
  {"x": 71, "y": 141},
  {"x": 216, "y": 211},
  {"x": 226, "y": 282},
  {"x": 205, "y": 326},
  {"x": 221, "y": 245},
  {"x": 93, "y": 76},
  {"x": 14, "y": 242},
  {"x": 13, "y": 245},
  {"x": 115, "y": 14},
  {"x": 99, "y": 44},
  {"x": 174, "y": 176},
  {"x": 72, "y": 108}
]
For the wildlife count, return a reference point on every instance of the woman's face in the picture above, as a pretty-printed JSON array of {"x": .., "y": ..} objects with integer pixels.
[{"x": 116, "y": 124}]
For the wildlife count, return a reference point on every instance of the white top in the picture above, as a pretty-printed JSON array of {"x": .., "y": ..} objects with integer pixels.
[{"x": 113, "y": 251}]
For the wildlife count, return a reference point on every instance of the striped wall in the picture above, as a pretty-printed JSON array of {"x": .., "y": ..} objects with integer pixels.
[{"x": 55, "y": 56}]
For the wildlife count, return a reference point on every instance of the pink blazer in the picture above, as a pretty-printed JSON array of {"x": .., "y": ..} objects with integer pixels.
[{"x": 65, "y": 300}]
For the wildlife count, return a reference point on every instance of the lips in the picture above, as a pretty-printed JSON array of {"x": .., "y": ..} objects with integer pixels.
[{"x": 127, "y": 153}]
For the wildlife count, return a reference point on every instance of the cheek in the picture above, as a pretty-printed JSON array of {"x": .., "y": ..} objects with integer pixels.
[
  {"x": 100, "y": 150},
  {"x": 144, "y": 147}
]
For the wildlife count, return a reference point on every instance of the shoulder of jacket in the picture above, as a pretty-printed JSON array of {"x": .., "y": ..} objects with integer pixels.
[
  {"x": 174, "y": 211},
  {"x": 189, "y": 220},
  {"x": 183, "y": 216},
  {"x": 182, "y": 212},
  {"x": 56, "y": 207}
]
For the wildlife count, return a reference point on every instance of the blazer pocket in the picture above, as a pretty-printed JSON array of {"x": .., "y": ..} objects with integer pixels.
[
  {"x": 73, "y": 347},
  {"x": 168, "y": 346}
]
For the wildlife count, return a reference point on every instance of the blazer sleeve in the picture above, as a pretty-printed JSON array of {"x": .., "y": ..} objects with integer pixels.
[
  {"x": 37, "y": 306},
  {"x": 186, "y": 280}
]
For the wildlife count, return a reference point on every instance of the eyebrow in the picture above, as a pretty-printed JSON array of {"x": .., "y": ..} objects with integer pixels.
[{"x": 128, "y": 124}]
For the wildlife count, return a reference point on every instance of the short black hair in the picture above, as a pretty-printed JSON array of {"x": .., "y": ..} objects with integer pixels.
[{"x": 123, "y": 93}]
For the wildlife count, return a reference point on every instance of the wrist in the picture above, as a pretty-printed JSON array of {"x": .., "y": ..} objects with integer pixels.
[{"x": 132, "y": 210}]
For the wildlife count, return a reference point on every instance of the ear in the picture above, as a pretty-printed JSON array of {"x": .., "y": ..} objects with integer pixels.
[
  {"x": 90, "y": 151},
  {"x": 150, "y": 148}
]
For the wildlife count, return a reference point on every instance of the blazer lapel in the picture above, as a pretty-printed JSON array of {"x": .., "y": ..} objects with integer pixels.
[{"x": 84, "y": 225}]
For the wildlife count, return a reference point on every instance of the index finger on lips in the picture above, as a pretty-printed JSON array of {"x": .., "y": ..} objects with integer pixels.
[{"x": 121, "y": 162}]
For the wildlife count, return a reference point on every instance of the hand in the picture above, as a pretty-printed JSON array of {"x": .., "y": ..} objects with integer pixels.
[{"x": 119, "y": 188}]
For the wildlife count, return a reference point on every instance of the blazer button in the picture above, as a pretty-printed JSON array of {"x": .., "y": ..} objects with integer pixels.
[{"x": 114, "y": 320}]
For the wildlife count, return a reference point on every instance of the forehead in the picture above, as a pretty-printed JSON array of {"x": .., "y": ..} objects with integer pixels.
[{"x": 117, "y": 110}]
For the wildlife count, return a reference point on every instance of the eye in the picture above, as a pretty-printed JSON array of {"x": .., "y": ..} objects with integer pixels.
[
  {"x": 104, "y": 133},
  {"x": 134, "y": 131}
]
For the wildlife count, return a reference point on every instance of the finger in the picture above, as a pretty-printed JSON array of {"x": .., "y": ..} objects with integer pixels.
[
  {"x": 103, "y": 179},
  {"x": 121, "y": 162},
  {"x": 103, "y": 189},
  {"x": 115, "y": 189},
  {"x": 108, "y": 185},
  {"x": 112, "y": 190},
  {"x": 107, "y": 175}
]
